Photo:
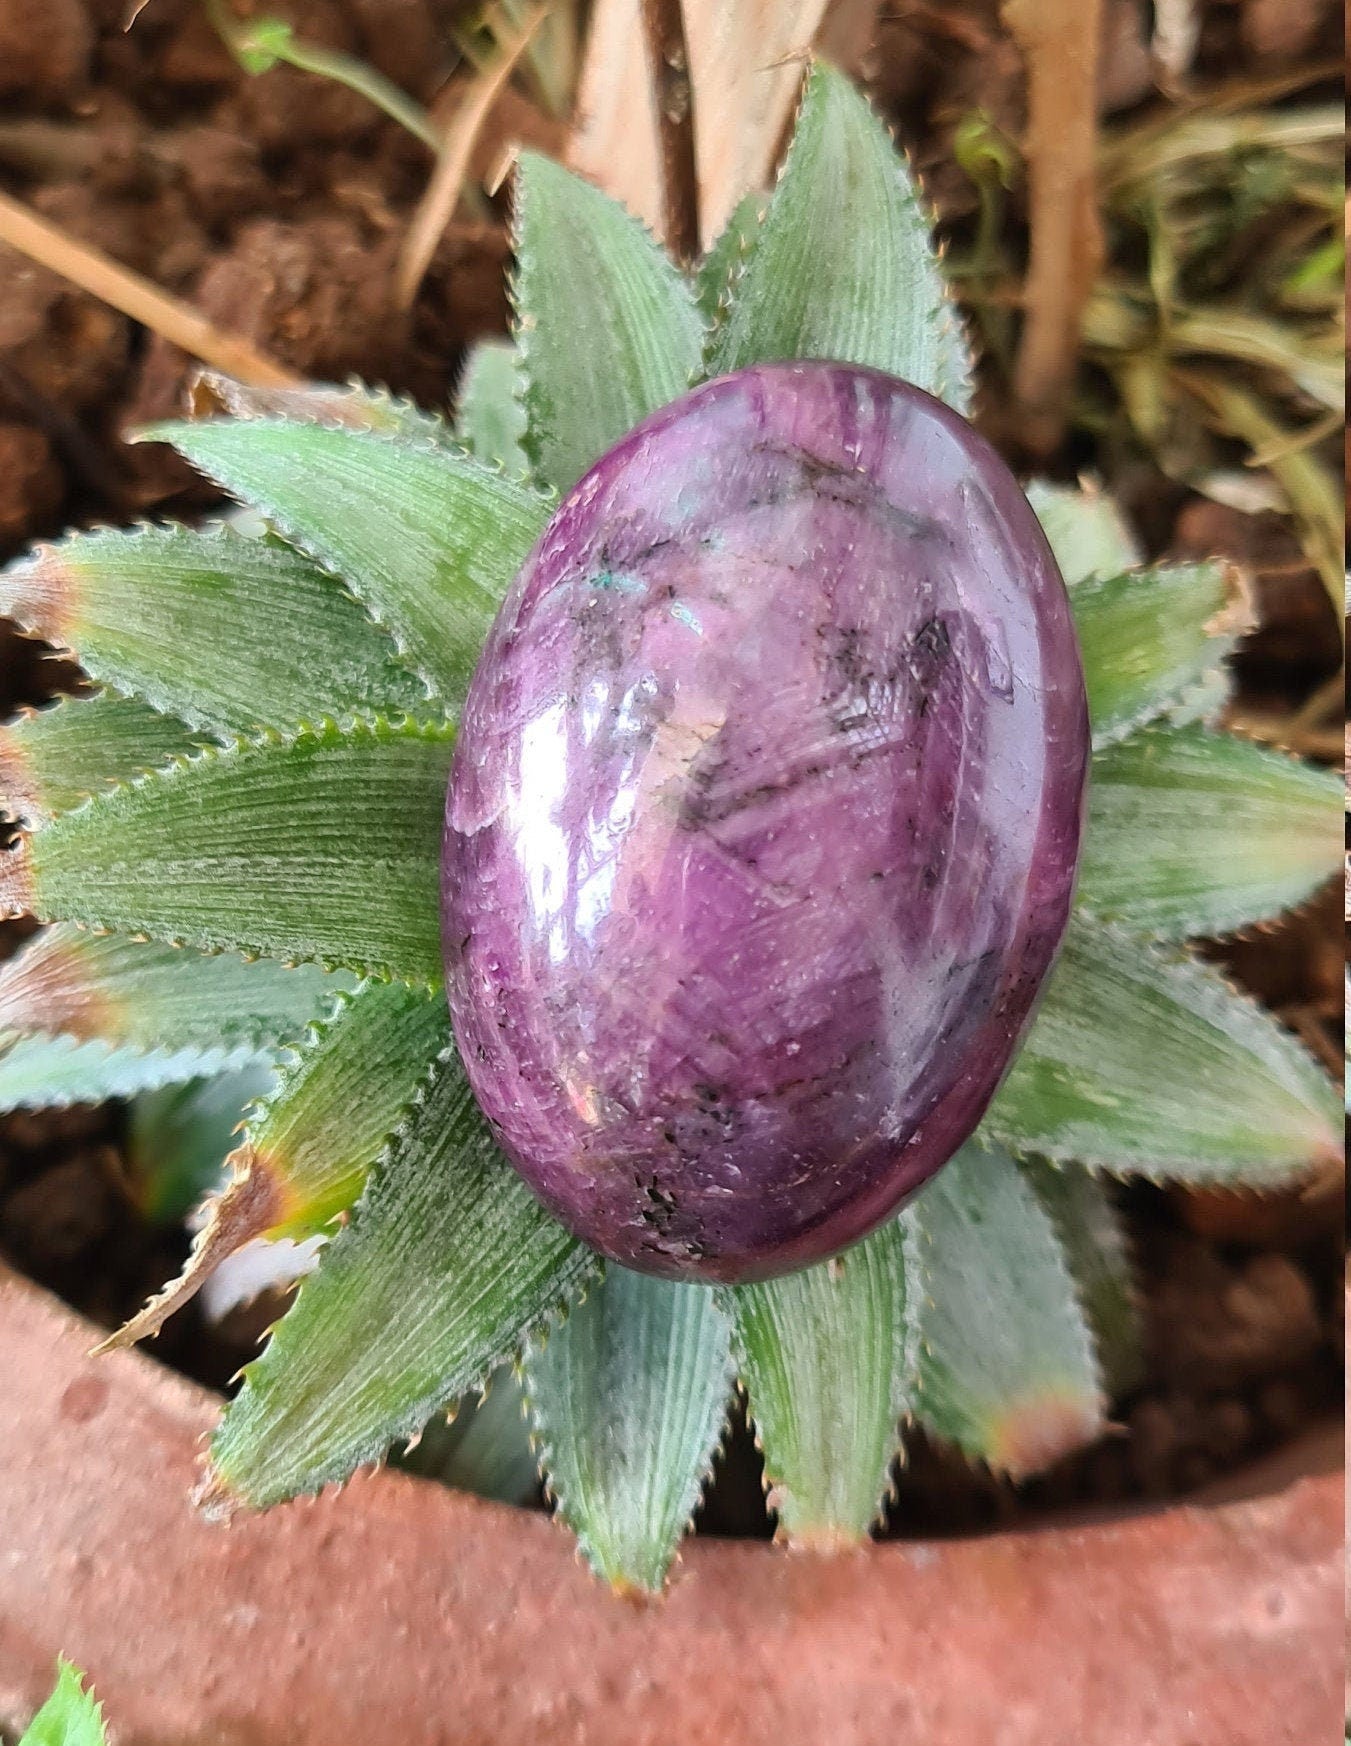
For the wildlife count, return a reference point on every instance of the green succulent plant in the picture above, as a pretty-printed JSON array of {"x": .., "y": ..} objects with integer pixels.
[
  {"x": 236, "y": 843},
  {"x": 71, "y": 1716}
]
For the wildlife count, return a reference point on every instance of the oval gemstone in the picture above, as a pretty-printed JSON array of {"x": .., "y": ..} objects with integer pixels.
[{"x": 764, "y": 820}]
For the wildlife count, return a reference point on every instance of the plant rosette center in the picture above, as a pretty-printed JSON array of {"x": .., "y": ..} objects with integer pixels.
[{"x": 764, "y": 821}]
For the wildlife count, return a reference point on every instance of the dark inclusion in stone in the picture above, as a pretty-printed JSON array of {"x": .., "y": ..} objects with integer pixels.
[{"x": 764, "y": 821}]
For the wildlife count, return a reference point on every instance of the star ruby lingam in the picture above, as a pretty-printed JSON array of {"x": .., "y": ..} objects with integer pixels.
[{"x": 764, "y": 821}]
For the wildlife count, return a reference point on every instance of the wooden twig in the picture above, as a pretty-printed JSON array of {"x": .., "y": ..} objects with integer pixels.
[
  {"x": 173, "y": 320},
  {"x": 1059, "y": 40},
  {"x": 447, "y": 181},
  {"x": 668, "y": 64}
]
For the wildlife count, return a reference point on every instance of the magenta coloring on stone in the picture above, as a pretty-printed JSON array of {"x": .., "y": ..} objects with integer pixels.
[{"x": 764, "y": 821}]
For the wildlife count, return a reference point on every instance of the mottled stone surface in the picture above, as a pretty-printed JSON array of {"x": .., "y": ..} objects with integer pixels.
[{"x": 764, "y": 819}]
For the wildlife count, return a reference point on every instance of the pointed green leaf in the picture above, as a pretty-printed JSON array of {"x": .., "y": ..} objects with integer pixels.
[
  {"x": 325, "y": 847},
  {"x": 1147, "y": 1062},
  {"x": 70, "y": 1716},
  {"x": 226, "y": 632},
  {"x": 346, "y": 406},
  {"x": 1149, "y": 639},
  {"x": 1006, "y": 1370},
  {"x": 1193, "y": 832},
  {"x": 721, "y": 266},
  {"x": 141, "y": 995},
  {"x": 827, "y": 1357},
  {"x": 426, "y": 538},
  {"x": 50, "y": 1072},
  {"x": 51, "y": 759},
  {"x": 485, "y": 1447},
  {"x": 178, "y": 1137},
  {"x": 844, "y": 265},
  {"x": 338, "y": 1099},
  {"x": 1088, "y": 533},
  {"x": 1093, "y": 1240},
  {"x": 330, "y": 1111},
  {"x": 629, "y": 1398},
  {"x": 446, "y": 1266},
  {"x": 607, "y": 328},
  {"x": 490, "y": 419}
]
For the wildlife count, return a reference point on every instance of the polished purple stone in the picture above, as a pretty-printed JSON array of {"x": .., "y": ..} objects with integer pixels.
[{"x": 764, "y": 821}]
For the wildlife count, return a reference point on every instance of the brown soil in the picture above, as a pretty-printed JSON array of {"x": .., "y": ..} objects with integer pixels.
[{"x": 277, "y": 204}]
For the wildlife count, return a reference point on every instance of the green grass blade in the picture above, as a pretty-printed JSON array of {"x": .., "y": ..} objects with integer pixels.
[
  {"x": 426, "y": 538},
  {"x": 178, "y": 1138},
  {"x": 629, "y": 1398},
  {"x": 447, "y": 1265},
  {"x": 722, "y": 265},
  {"x": 844, "y": 265},
  {"x": 1088, "y": 533},
  {"x": 70, "y": 1717},
  {"x": 141, "y": 995},
  {"x": 1144, "y": 1062},
  {"x": 324, "y": 847},
  {"x": 51, "y": 759},
  {"x": 1093, "y": 1240},
  {"x": 330, "y": 1111},
  {"x": 1151, "y": 638},
  {"x": 490, "y": 418},
  {"x": 344, "y": 406},
  {"x": 1194, "y": 832},
  {"x": 607, "y": 328},
  {"x": 1007, "y": 1370},
  {"x": 226, "y": 632},
  {"x": 827, "y": 1357}
]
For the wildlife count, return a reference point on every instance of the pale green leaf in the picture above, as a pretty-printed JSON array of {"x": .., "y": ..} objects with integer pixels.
[
  {"x": 485, "y": 1447},
  {"x": 721, "y": 266},
  {"x": 1006, "y": 1370},
  {"x": 827, "y": 1357},
  {"x": 426, "y": 538},
  {"x": 1087, "y": 531},
  {"x": 1151, "y": 638},
  {"x": 338, "y": 1099},
  {"x": 607, "y": 328},
  {"x": 844, "y": 265},
  {"x": 325, "y": 846},
  {"x": 1093, "y": 1240},
  {"x": 226, "y": 632},
  {"x": 348, "y": 406},
  {"x": 1194, "y": 832},
  {"x": 490, "y": 417},
  {"x": 178, "y": 1137},
  {"x": 51, "y": 759},
  {"x": 629, "y": 1398},
  {"x": 142, "y": 995},
  {"x": 447, "y": 1265},
  {"x": 330, "y": 1111},
  {"x": 70, "y": 1717},
  {"x": 50, "y": 1072},
  {"x": 1142, "y": 1061}
]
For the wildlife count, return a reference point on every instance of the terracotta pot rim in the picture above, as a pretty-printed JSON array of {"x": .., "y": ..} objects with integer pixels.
[{"x": 334, "y": 1619}]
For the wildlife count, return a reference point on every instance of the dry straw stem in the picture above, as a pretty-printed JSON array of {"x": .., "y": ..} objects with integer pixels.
[
  {"x": 1059, "y": 40},
  {"x": 745, "y": 73},
  {"x": 136, "y": 297},
  {"x": 443, "y": 190}
]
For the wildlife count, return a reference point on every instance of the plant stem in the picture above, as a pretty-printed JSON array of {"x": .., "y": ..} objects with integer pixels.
[
  {"x": 255, "y": 44},
  {"x": 136, "y": 297},
  {"x": 455, "y": 147}
]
